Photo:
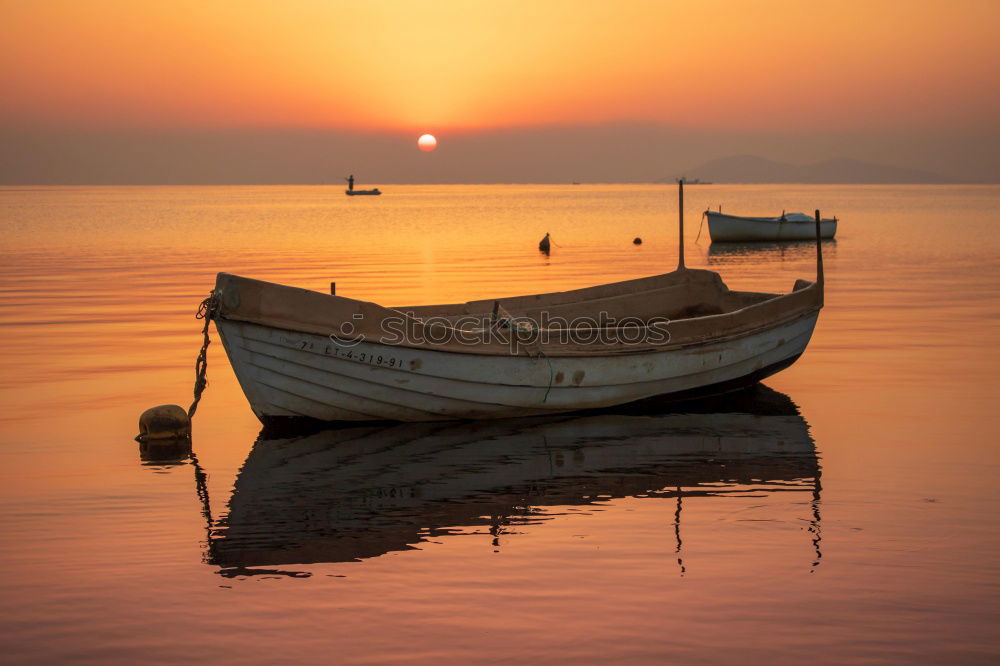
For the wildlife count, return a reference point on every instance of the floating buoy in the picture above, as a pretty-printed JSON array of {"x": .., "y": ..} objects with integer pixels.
[
  {"x": 166, "y": 423},
  {"x": 543, "y": 245},
  {"x": 166, "y": 429},
  {"x": 636, "y": 241}
]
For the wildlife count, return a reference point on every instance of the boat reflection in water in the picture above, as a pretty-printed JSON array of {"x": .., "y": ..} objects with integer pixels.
[
  {"x": 721, "y": 253},
  {"x": 354, "y": 493}
]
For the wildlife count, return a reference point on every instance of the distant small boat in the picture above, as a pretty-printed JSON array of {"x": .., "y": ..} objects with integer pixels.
[
  {"x": 786, "y": 227},
  {"x": 374, "y": 192}
]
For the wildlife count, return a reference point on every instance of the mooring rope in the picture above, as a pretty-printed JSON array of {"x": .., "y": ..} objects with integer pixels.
[
  {"x": 501, "y": 318},
  {"x": 552, "y": 374},
  {"x": 700, "y": 225},
  {"x": 206, "y": 310}
]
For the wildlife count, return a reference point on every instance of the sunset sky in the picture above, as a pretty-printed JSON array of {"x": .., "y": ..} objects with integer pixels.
[{"x": 910, "y": 83}]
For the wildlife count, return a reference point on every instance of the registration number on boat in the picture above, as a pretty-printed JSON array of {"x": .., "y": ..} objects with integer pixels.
[{"x": 346, "y": 353}]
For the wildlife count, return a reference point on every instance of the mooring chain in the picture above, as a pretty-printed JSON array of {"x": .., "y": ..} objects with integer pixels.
[{"x": 206, "y": 310}]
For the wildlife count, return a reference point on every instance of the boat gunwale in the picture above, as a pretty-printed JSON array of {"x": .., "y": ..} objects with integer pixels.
[
  {"x": 775, "y": 220},
  {"x": 812, "y": 305}
]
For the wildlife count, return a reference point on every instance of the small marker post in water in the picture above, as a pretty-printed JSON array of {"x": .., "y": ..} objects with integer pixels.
[{"x": 543, "y": 245}]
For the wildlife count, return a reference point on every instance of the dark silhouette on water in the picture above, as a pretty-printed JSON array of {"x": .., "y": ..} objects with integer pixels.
[
  {"x": 350, "y": 191},
  {"x": 543, "y": 245},
  {"x": 349, "y": 494}
]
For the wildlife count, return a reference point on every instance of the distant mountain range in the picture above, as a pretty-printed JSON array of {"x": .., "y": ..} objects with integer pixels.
[{"x": 753, "y": 169}]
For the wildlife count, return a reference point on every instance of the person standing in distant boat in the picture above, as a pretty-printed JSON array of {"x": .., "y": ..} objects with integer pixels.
[{"x": 350, "y": 183}]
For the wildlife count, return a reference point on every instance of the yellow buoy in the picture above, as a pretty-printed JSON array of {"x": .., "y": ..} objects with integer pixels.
[{"x": 165, "y": 422}]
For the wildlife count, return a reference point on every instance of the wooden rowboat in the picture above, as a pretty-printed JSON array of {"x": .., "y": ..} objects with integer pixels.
[
  {"x": 357, "y": 193},
  {"x": 300, "y": 353},
  {"x": 786, "y": 227}
]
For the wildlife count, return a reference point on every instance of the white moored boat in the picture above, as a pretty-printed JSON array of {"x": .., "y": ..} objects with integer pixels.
[
  {"x": 785, "y": 227},
  {"x": 301, "y": 353}
]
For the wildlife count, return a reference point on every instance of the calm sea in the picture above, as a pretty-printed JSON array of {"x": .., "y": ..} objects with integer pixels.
[{"x": 847, "y": 512}]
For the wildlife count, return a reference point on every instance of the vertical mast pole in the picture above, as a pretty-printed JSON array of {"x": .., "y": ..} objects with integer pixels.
[
  {"x": 819, "y": 252},
  {"x": 680, "y": 210},
  {"x": 820, "y": 280}
]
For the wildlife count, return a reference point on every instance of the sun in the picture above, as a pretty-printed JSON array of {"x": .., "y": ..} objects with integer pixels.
[{"x": 427, "y": 143}]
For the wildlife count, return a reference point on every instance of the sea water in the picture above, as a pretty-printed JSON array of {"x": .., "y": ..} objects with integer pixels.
[{"x": 845, "y": 512}]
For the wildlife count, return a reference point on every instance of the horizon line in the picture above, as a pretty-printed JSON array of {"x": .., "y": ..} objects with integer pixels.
[{"x": 538, "y": 182}]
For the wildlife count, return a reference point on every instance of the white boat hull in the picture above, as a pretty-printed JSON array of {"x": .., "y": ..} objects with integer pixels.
[
  {"x": 731, "y": 228},
  {"x": 294, "y": 374}
]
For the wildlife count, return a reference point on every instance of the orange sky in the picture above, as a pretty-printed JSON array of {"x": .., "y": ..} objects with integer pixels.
[{"x": 445, "y": 65}]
